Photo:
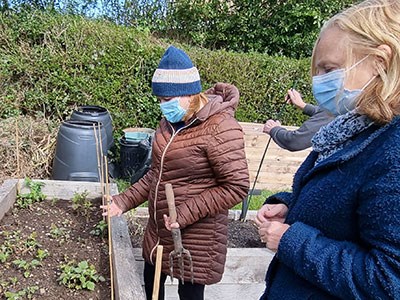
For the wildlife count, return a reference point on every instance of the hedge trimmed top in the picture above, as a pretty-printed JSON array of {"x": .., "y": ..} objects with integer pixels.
[{"x": 51, "y": 63}]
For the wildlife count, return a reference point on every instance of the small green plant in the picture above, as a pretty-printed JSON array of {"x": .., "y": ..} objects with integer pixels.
[
  {"x": 15, "y": 295},
  {"x": 81, "y": 276},
  {"x": 4, "y": 285},
  {"x": 13, "y": 280},
  {"x": 122, "y": 184},
  {"x": 54, "y": 201},
  {"x": 31, "y": 244},
  {"x": 10, "y": 244},
  {"x": 60, "y": 234},
  {"x": 100, "y": 229},
  {"x": 81, "y": 204},
  {"x": 42, "y": 254},
  {"x": 5, "y": 252},
  {"x": 35, "y": 195},
  {"x": 27, "y": 292},
  {"x": 26, "y": 266},
  {"x": 56, "y": 232}
]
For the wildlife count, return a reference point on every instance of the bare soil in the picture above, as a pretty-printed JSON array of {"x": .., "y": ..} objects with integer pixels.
[
  {"x": 240, "y": 234},
  {"x": 66, "y": 235}
]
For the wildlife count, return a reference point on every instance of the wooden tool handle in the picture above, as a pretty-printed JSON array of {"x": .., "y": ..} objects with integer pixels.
[
  {"x": 157, "y": 274},
  {"x": 171, "y": 202}
]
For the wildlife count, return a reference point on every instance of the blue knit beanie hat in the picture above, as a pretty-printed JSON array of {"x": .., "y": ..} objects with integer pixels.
[{"x": 175, "y": 75}]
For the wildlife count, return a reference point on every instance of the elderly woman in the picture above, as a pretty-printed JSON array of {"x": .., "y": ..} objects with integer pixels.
[{"x": 337, "y": 234}]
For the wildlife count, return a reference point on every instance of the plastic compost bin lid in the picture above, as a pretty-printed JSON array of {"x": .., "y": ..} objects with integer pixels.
[{"x": 136, "y": 136}]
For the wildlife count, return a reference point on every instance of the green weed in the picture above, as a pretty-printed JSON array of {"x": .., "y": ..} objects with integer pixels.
[
  {"x": 35, "y": 195},
  {"x": 78, "y": 277}
]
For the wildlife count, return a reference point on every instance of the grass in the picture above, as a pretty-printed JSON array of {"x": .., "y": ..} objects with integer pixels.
[{"x": 256, "y": 201}]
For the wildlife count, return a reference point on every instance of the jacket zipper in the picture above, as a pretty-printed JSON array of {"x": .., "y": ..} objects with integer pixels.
[{"x": 174, "y": 134}]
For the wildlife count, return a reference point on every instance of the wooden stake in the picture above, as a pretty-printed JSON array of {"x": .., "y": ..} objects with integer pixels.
[
  {"x": 101, "y": 154},
  {"x": 99, "y": 165},
  {"x": 157, "y": 274},
  {"x": 107, "y": 189},
  {"x": 17, "y": 145}
]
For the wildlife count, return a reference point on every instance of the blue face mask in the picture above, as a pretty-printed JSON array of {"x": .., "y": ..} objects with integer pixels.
[
  {"x": 328, "y": 90},
  {"x": 172, "y": 110}
]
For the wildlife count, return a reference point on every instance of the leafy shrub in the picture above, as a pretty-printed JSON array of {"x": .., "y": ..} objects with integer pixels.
[
  {"x": 274, "y": 27},
  {"x": 54, "y": 63}
]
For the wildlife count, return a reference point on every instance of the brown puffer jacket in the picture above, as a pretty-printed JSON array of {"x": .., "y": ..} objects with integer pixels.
[{"x": 206, "y": 164}]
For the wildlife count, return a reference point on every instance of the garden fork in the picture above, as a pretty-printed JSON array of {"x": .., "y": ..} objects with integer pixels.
[{"x": 179, "y": 252}]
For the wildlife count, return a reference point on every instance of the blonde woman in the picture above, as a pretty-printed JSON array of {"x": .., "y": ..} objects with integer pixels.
[
  {"x": 199, "y": 149},
  {"x": 337, "y": 235}
]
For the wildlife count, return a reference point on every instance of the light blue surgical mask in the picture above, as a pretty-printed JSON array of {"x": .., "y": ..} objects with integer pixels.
[
  {"x": 172, "y": 110},
  {"x": 328, "y": 90}
]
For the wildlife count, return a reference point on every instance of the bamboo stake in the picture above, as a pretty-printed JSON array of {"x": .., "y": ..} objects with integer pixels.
[
  {"x": 108, "y": 197},
  {"x": 17, "y": 146},
  {"x": 157, "y": 274},
  {"x": 99, "y": 164},
  {"x": 101, "y": 155},
  {"x": 17, "y": 153}
]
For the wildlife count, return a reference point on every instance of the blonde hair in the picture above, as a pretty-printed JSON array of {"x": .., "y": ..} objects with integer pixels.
[
  {"x": 197, "y": 101},
  {"x": 366, "y": 26}
]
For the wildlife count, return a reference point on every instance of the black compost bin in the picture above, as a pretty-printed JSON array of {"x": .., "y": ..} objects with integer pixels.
[
  {"x": 135, "y": 153},
  {"x": 76, "y": 156},
  {"x": 96, "y": 113}
]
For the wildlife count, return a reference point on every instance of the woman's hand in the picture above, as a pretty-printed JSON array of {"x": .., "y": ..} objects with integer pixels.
[
  {"x": 294, "y": 97},
  {"x": 270, "y": 124},
  {"x": 271, "y": 233},
  {"x": 113, "y": 209},
  {"x": 168, "y": 224},
  {"x": 270, "y": 213}
]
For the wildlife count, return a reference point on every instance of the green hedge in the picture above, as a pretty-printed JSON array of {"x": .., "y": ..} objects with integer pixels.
[{"x": 51, "y": 63}]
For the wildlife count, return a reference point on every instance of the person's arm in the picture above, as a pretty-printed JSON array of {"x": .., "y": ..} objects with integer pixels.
[
  {"x": 281, "y": 197},
  {"x": 300, "y": 139},
  {"x": 310, "y": 109},
  {"x": 367, "y": 269},
  {"x": 294, "y": 140}
]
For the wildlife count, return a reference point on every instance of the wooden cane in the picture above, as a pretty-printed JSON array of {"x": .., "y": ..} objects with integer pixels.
[
  {"x": 157, "y": 274},
  {"x": 108, "y": 197}
]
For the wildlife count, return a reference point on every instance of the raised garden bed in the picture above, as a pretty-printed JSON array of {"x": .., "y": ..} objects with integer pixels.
[
  {"x": 39, "y": 244},
  {"x": 244, "y": 271},
  {"x": 126, "y": 284}
]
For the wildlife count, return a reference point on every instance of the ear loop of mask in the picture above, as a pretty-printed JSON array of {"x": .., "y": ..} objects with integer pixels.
[
  {"x": 364, "y": 86},
  {"x": 357, "y": 63}
]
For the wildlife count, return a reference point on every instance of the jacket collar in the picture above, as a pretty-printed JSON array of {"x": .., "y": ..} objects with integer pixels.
[{"x": 362, "y": 141}]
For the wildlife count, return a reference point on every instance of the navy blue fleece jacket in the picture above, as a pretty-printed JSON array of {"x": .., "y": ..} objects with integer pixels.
[{"x": 344, "y": 238}]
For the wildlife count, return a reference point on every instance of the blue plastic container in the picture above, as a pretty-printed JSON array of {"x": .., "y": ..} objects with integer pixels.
[{"x": 76, "y": 157}]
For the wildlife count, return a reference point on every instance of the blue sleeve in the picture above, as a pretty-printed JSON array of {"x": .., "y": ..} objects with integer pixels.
[
  {"x": 282, "y": 197},
  {"x": 369, "y": 269}
]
